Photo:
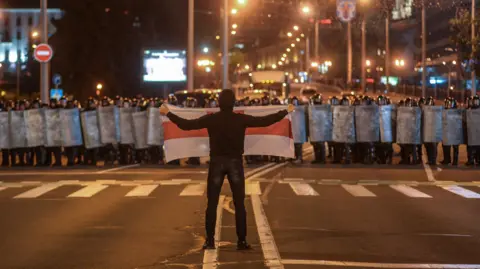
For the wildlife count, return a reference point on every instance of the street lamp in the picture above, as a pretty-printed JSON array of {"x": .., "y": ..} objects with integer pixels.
[
  {"x": 289, "y": 34},
  {"x": 296, "y": 28},
  {"x": 274, "y": 66},
  {"x": 35, "y": 34},
  {"x": 234, "y": 11},
  {"x": 284, "y": 55},
  {"x": 368, "y": 62},
  {"x": 306, "y": 9},
  {"x": 328, "y": 63},
  {"x": 288, "y": 49},
  {"x": 234, "y": 32},
  {"x": 205, "y": 50},
  {"x": 99, "y": 86},
  {"x": 234, "y": 26},
  {"x": 217, "y": 37},
  {"x": 293, "y": 45},
  {"x": 314, "y": 64},
  {"x": 247, "y": 67},
  {"x": 242, "y": 2}
]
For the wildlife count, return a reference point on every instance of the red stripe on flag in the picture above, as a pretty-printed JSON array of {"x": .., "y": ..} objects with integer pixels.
[{"x": 281, "y": 128}]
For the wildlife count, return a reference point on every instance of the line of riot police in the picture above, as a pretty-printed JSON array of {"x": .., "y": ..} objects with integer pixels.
[{"x": 363, "y": 130}]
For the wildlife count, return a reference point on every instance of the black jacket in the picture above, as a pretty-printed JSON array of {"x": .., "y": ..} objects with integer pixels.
[{"x": 226, "y": 129}]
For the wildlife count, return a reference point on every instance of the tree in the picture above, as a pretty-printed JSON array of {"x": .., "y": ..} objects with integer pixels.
[{"x": 461, "y": 36}]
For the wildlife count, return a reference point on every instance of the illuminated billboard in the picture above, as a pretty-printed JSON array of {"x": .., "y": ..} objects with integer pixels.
[{"x": 164, "y": 66}]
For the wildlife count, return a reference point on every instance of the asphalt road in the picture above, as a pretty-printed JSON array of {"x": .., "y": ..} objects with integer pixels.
[{"x": 299, "y": 216}]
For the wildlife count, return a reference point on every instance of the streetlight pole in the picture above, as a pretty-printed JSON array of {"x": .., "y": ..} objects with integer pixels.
[
  {"x": 364, "y": 52},
  {"x": 44, "y": 67},
  {"x": 317, "y": 37},
  {"x": 349, "y": 56},
  {"x": 424, "y": 50},
  {"x": 225, "y": 45},
  {"x": 387, "y": 51},
  {"x": 474, "y": 85},
  {"x": 191, "y": 41}
]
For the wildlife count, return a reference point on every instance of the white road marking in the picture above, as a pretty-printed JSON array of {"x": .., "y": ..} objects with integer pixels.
[
  {"x": 88, "y": 191},
  {"x": 358, "y": 191},
  {"x": 210, "y": 256},
  {"x": 2, "y": 188},
  {"x": 269, "y": 248},
  {"x": 378, "y": 265},
  {"x": 105, "y": 172},
  {"x": 117, "y": 168},
  {"x": 302, "y": 189},
  {"x": 193, "y": 190},
  {"x": 428, "y": 169},
  {"x": 252, "y": 188},
  {"x": 38, "y": 191},
  {"x": 141, "y": 191},
  {"x": 175, "y": 182},
  {"x": 462, "y": 192},
  {"x": 258, "y": 175},
  {"x": 251, "y": 172},
  {"x": 409, "y": 191}
]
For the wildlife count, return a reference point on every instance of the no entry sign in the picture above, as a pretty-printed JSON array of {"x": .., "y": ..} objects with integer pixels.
[{"x": 43, "y": 53}]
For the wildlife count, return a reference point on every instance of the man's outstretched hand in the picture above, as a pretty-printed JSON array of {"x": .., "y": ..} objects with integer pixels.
[
  {"x": 164, "y": 110},
  {"x": 290, "y": 108}
]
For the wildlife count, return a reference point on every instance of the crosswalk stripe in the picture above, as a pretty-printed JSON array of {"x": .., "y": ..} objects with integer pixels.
[
  {"x": 462, "y": 192},
  {"x": 2, "y": 188},
  {"x": 302, "y": 189},
  {"x": 37, "y": 192},
  {"x": 193, "y": 190},
  {"x": 358, "y": 191},
  {"x": 409, "y": 191},
  {"x": 88, "y": 191},
  {"x": 253, "y": 188},
  {"x": 141, "y": 191}
]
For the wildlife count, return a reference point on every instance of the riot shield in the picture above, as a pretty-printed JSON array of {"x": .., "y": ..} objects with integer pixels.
[
  {"x": 18, "y": 130},
  {"x": 91, "y": 133},
  {"x": 53, "y": 133},
  {"x": 408, "y": 125},
  {"x": 4, "y": 131},
  {"x": 386, "y": 128},
  {"x": 367, "y": 123},
  {"x": 432, "y": 124},
  {"x": 71, "y": 129},
  {"x": 116, "y": 114},
  {"x": 140, "y": 128},
  {"x": 299, "y": 125},
  {"x": 35, "y": 127},
  {"x": 154, "y": 127},
  {"x": 473, "y": 127},
  {"x": 320, "y": 123},
  {"x": 126, "y": 126},
  {"x": 107, "y": 124},
  {"x": 394, "y": 122},
  {"x": 344, "y": 124},
  {"x": 452, "y": 131}
]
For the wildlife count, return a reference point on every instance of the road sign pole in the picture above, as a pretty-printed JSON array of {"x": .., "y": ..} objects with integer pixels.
[
  {"x": 44, "y": 67},
  {"x": 225, "y": 45},
  {"x": 191, "y": 40}
]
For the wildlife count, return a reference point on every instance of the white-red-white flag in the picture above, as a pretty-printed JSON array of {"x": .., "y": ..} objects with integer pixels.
[{"x": 274, "y": 140}]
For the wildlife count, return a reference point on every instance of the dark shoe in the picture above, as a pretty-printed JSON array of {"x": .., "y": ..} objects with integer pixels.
[
  {"x": 209, "y": 244},
  {"x": 243, "y": 245}
]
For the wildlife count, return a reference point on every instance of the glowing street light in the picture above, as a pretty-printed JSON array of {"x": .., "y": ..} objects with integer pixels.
[
  {"x": 234, "y": 11},
  {"x": 302, "y": 35},
  {"x": 35, "y": 34},
  {"x": 296, "y": 28},
  {"x": 205, "y": 50},
  {"x": 274, "y": 66},
  {"x": 289, "y": 34},
  {"x": 293, "y": 45},
  {"x": 454, "y": 62},
  {"x": 217, "y": 37},
  {"x": 208, "y": 69},
  {"x": 328, "y": 63},
  {"x": 280, "y": 63},
  {"x": 314, "y": 64},
  {"x": 283, "y": 58},
  {"x": 234, "y": 32},
  {"x": 368, "y": 62},
  {"x": 399, "y": 62},
  {"x": 247, "y": 67},
  {"x": 288, "y": 49},
  {"x": 306, "y": 9},
  {"x": 242, "y": 2},
  {"x": 284, "y": 55},
  {"x": 234, "y": 26},
  {"x": 99, "y": 86},
  {"x": 298, "y": 39}
]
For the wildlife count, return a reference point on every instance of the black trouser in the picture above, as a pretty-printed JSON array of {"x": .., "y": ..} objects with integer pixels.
[
  {"x": 109, "y": 154},
  {"x": 40, "y": 155},
  {"x": 193, "y": 161},
  {"x": 219, "y": 167},
  {"x": 5, "y": 156},
  {"x": 57, "y": 152},
  {"x": 70, "y": 152},
  {"x": 447, "y": 157},
  {"x": 384, "y": 153},
  {"x": 90, "y": 157},
  {"x": 298, "y": 151},
  {"x": 431, "y": 149},
  {"x": 125, "y": 154},
  {"x": 319, "y": 152},
  {"x": 20, "y": 152}
]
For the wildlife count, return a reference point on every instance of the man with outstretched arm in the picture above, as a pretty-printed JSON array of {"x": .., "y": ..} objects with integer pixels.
[{"x": 226, "y": 131}]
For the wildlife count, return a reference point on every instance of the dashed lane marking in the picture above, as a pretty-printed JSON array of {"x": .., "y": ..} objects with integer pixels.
[
  {"x": 38, "y": 191},
  {"x": 194, "y": 190},
  {"x": 302, "y": 189},
  {"x": 462, "y": 192},
  {"x": 358, "y": 191},
  {"x": 141, "y": 191},
  {"x": 88, "y": 191},
  {"x": 409, "y": 191}
]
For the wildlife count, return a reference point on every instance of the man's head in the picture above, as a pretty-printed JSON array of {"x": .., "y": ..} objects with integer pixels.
[{"x": 227, "y": 100}]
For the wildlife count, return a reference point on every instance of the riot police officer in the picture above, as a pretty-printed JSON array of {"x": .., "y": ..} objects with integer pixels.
[
  {"x": 430, "y": 148},
  {"x": 91, "y": 155},
  {"x": 55, "y": 151},
  {"x": 319, "y": 146},
  {"x": 298, "y": 147},
  {"x": 5, "y": 151},
  {"x": 70, "y": 152},
  {"x": 384, "y": 151},
  {"x": 449, "y": 104},
  {"x": 333, "y": 101},
  {"x": 473, "y": 151}
]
